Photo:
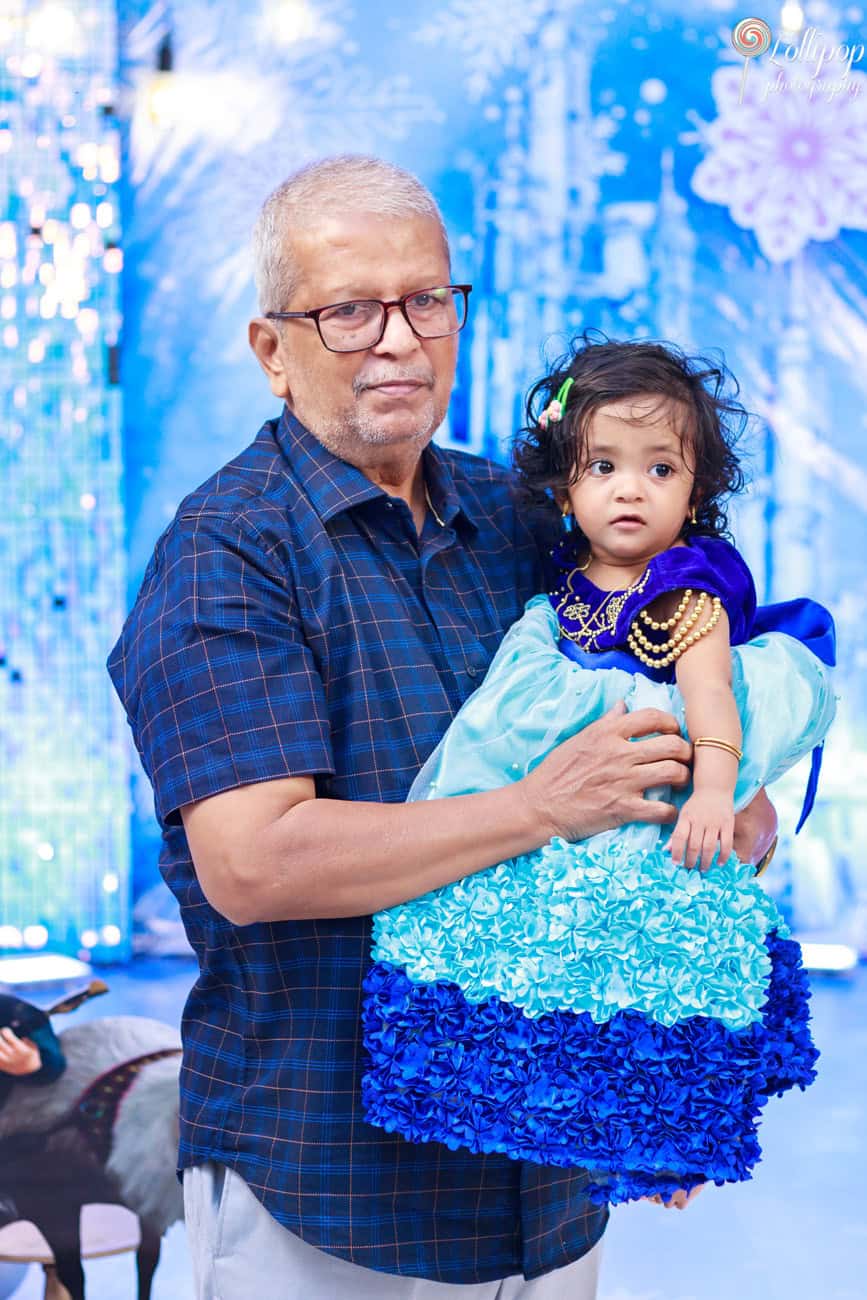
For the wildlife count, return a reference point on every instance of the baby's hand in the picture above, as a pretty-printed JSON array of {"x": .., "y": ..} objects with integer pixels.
[
  {"x": 18, "y": 1055},
  {"x": 706, "y": 820}
]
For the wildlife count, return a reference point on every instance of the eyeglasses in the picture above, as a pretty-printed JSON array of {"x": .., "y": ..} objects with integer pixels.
[{"x": 360, "y": 324}]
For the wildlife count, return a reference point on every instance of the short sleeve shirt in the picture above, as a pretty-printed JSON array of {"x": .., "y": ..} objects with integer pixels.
[{"x": 291, "y": 622}]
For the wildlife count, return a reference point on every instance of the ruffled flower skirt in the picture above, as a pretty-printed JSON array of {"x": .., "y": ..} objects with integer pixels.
[{"x": 592, "y": 1004}]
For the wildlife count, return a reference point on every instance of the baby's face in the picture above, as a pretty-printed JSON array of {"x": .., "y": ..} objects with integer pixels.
[{"x": 633, "y": 493}]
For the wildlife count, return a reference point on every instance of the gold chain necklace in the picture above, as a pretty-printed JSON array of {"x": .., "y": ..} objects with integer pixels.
[{"x": 441, "y": 522}]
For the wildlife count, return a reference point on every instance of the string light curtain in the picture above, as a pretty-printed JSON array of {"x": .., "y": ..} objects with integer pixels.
[{"x": 64, "y": 769}]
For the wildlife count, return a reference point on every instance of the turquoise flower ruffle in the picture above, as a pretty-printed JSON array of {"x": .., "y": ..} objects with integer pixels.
[{"x": 569, "y": 928}]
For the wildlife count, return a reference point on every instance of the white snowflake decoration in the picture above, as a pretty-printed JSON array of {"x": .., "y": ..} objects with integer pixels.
[
  {"x": 214, "y": 136},
  {"x": 492, "y": 35},
  {"x": 790, "y": 167}
]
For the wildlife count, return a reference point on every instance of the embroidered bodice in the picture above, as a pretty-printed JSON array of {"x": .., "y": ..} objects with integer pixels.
[{"x": 593, "y": 621}]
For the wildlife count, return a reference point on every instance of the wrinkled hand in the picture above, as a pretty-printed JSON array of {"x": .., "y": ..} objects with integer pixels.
[
  {"x": 706, "y": 822},
  {"x": 755, "y": 827},
  {"x": 18, "y": 1055},
  {"x": 596, "y": 780}
]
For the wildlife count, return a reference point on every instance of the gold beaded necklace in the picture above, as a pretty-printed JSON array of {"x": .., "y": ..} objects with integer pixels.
[{"x": 659, "y": 654}]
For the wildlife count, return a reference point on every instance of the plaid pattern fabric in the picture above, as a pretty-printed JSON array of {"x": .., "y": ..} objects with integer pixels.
[{"x": 290, "y": 623}]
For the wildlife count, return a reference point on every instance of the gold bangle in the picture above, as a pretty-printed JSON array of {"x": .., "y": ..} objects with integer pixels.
[
  {"x": 718, "y": 744},
  {"x": 765, "y": 861}
]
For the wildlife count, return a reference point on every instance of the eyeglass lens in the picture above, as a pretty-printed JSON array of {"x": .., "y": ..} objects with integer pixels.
[{"x": 432, "y": 313}]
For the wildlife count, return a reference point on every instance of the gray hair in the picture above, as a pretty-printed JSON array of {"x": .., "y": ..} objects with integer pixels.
[{"x": 349, "y": 182}]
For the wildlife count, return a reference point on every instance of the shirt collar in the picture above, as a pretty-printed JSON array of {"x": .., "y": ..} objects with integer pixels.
[{"x": 333, "y": 485}]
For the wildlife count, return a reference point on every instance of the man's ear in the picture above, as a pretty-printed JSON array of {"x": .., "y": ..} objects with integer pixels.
[{"x": 265, "y": 342}]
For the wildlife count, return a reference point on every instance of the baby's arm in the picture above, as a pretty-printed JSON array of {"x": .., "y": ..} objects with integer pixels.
[{"x": 704, "y": 675}]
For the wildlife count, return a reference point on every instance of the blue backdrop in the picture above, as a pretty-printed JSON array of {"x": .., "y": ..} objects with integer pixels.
[{"x": 597, "y": 164}]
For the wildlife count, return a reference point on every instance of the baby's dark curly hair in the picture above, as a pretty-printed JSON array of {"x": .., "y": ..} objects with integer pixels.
[{"x": 605, "y": 370}]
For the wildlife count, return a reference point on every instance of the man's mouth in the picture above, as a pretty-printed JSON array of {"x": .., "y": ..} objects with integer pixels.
[{"x": 399, "y": 386}]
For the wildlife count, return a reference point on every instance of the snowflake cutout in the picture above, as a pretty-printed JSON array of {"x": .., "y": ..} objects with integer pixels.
[
  {"x": 789, "y": 167},
  {"x": 493, "y": 35}
]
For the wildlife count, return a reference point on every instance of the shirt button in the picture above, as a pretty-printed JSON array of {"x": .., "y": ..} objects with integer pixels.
[{"x": 474, "y": 671}]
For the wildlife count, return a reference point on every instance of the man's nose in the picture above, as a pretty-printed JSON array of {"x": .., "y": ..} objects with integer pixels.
[{"x": 398, "y": 339}]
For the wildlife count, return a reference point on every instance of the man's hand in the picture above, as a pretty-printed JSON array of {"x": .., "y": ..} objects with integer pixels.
[
  {"x": 755, "y": 828},
  {"x": 596, "y": 780},
  {"x": 18, "y": 1055}
]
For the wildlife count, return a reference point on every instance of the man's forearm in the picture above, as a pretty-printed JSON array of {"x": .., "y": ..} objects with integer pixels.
[
  {"x": 273, "y": 851},
  {"x": 329, "y": 857}
]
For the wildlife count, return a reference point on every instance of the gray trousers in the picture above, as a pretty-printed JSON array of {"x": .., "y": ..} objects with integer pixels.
[{"x": 241, "y": 1253}]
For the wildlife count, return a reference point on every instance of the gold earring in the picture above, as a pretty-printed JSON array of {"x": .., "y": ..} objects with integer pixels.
[
  {"x": 567, "y": 510},
  {"x": 693, "y": 519}
]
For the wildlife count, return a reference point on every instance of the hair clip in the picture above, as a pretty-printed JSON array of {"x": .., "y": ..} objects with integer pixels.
[{"x": 554, "y": 410}]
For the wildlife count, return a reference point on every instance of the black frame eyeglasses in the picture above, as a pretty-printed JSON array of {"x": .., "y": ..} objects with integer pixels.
[{"x": 344, "y": 327}]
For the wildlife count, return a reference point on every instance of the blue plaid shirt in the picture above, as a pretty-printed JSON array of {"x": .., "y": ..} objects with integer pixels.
[{"x": 291, "y": 623}]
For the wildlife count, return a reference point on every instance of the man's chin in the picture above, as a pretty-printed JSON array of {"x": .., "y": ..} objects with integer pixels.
[{"x": 396, "y": 427}]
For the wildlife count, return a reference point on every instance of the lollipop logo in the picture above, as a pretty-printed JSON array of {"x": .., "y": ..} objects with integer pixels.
[{"x": 750, "y": 37}]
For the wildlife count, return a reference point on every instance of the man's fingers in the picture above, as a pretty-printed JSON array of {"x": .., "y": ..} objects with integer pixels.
[
  {"x": 651, "y": 810},
  {"x": 643, "y": 721},
  {"x": 666, "y": 772},
  {"x": 655, "y": 749}
]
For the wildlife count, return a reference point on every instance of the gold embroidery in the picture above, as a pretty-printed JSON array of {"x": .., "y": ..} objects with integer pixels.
[{"x": 594, "y": 623}]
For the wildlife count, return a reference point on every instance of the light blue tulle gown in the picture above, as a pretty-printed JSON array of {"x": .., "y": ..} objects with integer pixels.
[{"x": 593, "y": 1004}]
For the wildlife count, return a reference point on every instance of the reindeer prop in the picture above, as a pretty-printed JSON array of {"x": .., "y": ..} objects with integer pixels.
[{"x": 106, "y": 1131}]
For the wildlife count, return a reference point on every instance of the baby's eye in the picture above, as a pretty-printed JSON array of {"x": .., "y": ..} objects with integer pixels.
[
  {"x": 665, "y": 471},
  {"x": 600, "y": 467}
]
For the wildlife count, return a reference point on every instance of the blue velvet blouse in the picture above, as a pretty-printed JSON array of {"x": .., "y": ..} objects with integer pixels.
[{"x": 596, "y": 622}]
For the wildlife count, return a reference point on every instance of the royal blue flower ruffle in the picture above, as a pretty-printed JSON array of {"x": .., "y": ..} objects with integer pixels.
[{"x": 647, "y": 1108}]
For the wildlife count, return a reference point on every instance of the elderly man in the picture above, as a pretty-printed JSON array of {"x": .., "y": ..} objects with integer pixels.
[{"x": 309, "y": 624}]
